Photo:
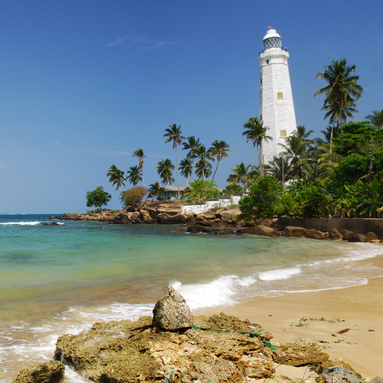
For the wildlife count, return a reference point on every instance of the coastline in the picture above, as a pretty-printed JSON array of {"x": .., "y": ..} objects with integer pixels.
[{"x": 360, "y": 306}]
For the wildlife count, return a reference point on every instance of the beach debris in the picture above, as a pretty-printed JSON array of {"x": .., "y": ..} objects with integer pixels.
[
  {"x": 371, "y": 330},
  {"x": 303, "y": 341},
  {"x": 343, "y": 331},
  {"x": 172, "y": 312},
  {"x": 305, "y": 321},
  {"x": 51, "y": 371}
]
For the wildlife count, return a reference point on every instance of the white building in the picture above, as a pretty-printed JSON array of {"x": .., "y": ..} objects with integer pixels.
[{"x": 276, "y": 106}]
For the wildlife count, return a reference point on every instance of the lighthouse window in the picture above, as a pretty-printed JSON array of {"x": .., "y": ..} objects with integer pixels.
[
  {"x": 283, "y": 133},
  {"x": 280, "y": 95},
  {"x": 267, "y": 61}
]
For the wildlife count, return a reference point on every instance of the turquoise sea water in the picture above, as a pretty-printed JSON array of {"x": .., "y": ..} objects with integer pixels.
[{"x": 60, "y": 279}]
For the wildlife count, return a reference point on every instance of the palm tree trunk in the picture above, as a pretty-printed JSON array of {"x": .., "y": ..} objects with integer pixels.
[
  {"x": 178, "y": 182},
  {"x": 215, "y": 171},
  {"x": 260, "y": 162}
]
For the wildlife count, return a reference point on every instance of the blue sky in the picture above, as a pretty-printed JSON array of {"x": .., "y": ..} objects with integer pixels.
[{"x": 85, "y": 83}]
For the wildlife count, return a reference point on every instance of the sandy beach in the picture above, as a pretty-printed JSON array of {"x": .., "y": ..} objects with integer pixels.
[{"x": 361, "y": 308}]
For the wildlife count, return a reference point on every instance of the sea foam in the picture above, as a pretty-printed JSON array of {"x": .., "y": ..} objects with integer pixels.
[{"x": 273, "y": 275}]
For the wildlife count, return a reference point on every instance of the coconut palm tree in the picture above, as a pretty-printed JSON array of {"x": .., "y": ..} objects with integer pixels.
[
  {"x": 303, "y": 134},
  {"x": 165, "y": 171},
  {"x": 243, "y": 174},
  {"x": 296, "y": 150},
  {"x": 141, "y": 158},
  {"x": 256, "y": 132},
  {"x": 186, "y": 169},
  {"x": 174, "y": 134},
  {"x": 134, "y": 175},
  {"x": 116, "y": 176},
  {"x": 341, "y": 92},
  {"x": 191, "y": 144},
  {"x": 203, "y": 166},
  {"x": 156, "y": 189},
  {"x": 219, "y": 150}
]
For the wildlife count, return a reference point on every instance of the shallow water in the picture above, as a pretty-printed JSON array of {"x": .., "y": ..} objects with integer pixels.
[{"x": 60, "y": 279}]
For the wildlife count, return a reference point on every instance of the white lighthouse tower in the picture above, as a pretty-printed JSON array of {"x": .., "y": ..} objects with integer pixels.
[{"x": 276, "y": 106}]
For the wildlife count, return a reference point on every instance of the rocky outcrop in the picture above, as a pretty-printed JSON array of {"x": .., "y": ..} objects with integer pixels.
[
  {"x": 172, "y": 312},
  {"x": 46, "y": 372},
  {"x": 295, "y": 231},
  {"x": 355, "y": 237}
]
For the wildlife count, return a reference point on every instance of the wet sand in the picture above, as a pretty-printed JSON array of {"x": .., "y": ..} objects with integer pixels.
[{"x": 361, "y": 307}]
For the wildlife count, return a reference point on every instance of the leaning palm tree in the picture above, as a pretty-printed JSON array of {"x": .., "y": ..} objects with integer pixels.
[
  {"x": 241, "y": 174},
  {"x": 191, "y": 144},
  {"x": 203, "y": 166},
  {"x": 134, "y": 175},
  {"x": 341, "y": 92},
  {"x": 116, "y": 176},
  {"x": 174, "y": 134},
  {"x": 156, "y": 189},
  {"x": 219, "y": 150},
  {"x": 256, "y": 132},
  {"x": 141, "y": 158},
  {"x": 165, "y": 171},
  {"x": 186, "y": 169}
]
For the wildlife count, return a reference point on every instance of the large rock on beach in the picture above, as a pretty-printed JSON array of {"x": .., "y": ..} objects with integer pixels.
[
  {"x": 334, "y": 233},
  {"x": 295, "y": 231},
  {"x": 46, "y": 372},
  {"x": 229, "y": 215},
  {"x": 316, "y": 234},
  {"x": 356, "y": 237},
  {"x": 172, "y": 312}
]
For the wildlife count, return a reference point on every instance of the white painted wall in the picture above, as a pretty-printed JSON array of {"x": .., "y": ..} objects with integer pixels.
[
  {"x": 198, "y": 209},
  {"x": 276, "y": 114}
]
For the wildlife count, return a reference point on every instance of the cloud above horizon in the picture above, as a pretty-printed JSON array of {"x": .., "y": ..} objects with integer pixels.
[{"x": 142, "y": 43}]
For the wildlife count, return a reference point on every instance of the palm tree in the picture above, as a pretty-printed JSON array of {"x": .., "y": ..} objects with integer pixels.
[
  {"x": 116, "y": 176},
  {"x": 256, "y": 132},
  {"x": 191, "y": 144},
  {"x": 141, "y": 158},
  {"x": 203, "y": 166},
  {"x": 219, "y": 150},
  {"x": 173, "y": 133},
  {"x": 186, "y": 169},
  {"x": 341, "y": 92},
  {"x": 296, "y": 150},
  {"x": 165, "y": 170},
  {"x": 303, "y": 134},
  {"x": 156, "y": 189},
  {"x": 241, "y": 174},
  {"x": 376, "y": 119},
  {"x": 281, "y": 169},
  {"x": 134, "y": 175}
]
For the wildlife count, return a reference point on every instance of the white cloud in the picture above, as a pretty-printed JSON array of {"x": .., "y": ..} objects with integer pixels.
[{"x": 141, "y": 43}]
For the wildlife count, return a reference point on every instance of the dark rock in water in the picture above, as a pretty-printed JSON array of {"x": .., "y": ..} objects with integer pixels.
[
  {"x": 356, "y": 237},
  {"x": 372, "y": 235},
  {"x": 223, "y": 231},
  {"x": 345, "y": 234},
  {"x": 47, "y": 372},
  {"x": 339, "y": 375},
  {"x": 334, "y": 233},
  {"x": 294, "y": 231},
  {"x": 172, "y": 312}
]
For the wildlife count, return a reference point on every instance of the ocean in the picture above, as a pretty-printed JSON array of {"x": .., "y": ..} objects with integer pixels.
[{"x": 62, "y": 279}]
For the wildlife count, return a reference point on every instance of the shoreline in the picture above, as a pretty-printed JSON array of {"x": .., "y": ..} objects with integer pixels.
[{"x": 360, "y": 306}]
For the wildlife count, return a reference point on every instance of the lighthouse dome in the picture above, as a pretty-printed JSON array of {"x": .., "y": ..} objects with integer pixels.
[{"x": 272, "y": 40}]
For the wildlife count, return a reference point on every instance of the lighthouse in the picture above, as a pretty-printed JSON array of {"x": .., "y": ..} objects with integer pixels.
[{"x": 276, "y": 106}]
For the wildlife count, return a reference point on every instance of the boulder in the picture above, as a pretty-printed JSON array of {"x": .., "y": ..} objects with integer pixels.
[
  {"x": 263, "y": 230},
  {"x": 334, "y": 233},
  {"x": 223, "y": 231},
  {"x": 228, "y": 215},
  {"x": 46, "y": 372},
  {"x": 372, "y": 235},
  {"x": 315, "y": 234},
  {"x": 345, "y": 234},
  {"x": 339, "y": 375},
  {"x": 356, "y": 237},
  {"x": 294, "y": 231},
  {"x": 172, "y": 312}
]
